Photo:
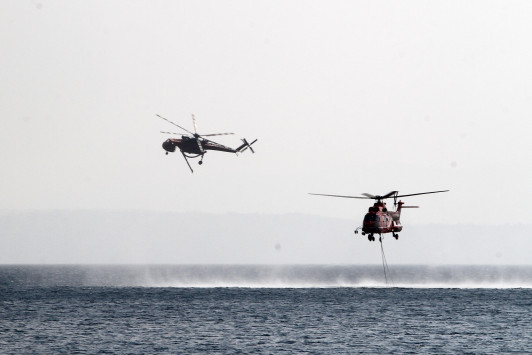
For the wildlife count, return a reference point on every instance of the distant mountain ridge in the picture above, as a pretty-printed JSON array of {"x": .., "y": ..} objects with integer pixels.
[{"x": 137, "y": 237}]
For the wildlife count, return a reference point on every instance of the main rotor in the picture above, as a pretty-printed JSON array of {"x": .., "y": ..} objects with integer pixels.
[
  {"x": 194, "y": 134},
  {"x": 379, "y": 198},
  {"x": 392, "y": 194}
]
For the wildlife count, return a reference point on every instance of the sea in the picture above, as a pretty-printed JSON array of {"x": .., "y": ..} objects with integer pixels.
[{"x": 261, "y": 309}]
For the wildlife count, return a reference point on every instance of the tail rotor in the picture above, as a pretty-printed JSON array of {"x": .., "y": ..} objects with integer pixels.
[{"x": 245, "y": 146}]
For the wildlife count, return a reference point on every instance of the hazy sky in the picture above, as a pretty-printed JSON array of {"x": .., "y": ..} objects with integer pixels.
[{"x": 345, "y": 97}]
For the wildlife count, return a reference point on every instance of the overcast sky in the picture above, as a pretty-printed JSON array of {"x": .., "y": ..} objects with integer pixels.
[{"x": 344, "y": 97}]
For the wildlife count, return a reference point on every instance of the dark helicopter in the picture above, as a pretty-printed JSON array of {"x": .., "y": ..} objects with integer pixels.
[
  {"x": 379, "y": 220},
  {"x": 195, "y": 145}
]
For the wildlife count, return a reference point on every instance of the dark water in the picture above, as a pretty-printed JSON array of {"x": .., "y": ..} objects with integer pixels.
[{"x": 223, "y": 309}]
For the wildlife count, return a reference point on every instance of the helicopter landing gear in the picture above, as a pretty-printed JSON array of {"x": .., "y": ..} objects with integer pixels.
[
  {"x": 371, "y": 238},
  {"x": 166, "y": 153},
  {"x": 201, "y": 160},
  {"x": 396, "y": 236}
]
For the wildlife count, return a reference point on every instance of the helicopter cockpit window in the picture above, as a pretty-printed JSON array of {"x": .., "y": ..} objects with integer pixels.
[{"x": 370, "y": 218}]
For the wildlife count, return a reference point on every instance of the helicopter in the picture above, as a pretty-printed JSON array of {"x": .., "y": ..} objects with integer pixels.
[
  {"x": 379, "y": 220},
  {"x": 194, "y": 145}
]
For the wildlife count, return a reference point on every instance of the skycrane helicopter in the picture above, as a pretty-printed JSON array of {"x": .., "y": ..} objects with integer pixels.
[
  {"x": 379, "y": 220},
  {"x": 194, "y": 145}
]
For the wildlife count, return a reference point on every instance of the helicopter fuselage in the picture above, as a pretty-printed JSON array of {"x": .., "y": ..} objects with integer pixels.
[
  {"x": 379, "y": 220},
  {"x": 190, "y": 145}
]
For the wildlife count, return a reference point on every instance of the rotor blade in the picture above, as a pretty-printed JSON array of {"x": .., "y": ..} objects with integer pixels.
[
  {"x": 369, "y": 195},
  {"x": 195, "y": 125},
  {"x": 363, "y": 198},
  {"x": 423, "y": 193},
  {"x": 249, "y": 145},
  {"x": 389, "y": 194},
  {"x": 175, "y": 124},
  {"x": 171, "y": 132},
  {"x": 199, "y": 145},
  {"x": 216, "y": 134}
]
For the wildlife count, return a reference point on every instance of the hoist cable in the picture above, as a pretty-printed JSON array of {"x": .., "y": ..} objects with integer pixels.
[{"x": 385, "y": 267}]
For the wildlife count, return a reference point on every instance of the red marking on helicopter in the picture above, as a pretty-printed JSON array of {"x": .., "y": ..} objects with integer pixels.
[
  {"x": 379, "y": 220},
  {"x": 194, "y": 145}
]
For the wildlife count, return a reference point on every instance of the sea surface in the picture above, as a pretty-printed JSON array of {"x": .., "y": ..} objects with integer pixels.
[{"x": 265, "y": 309}]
